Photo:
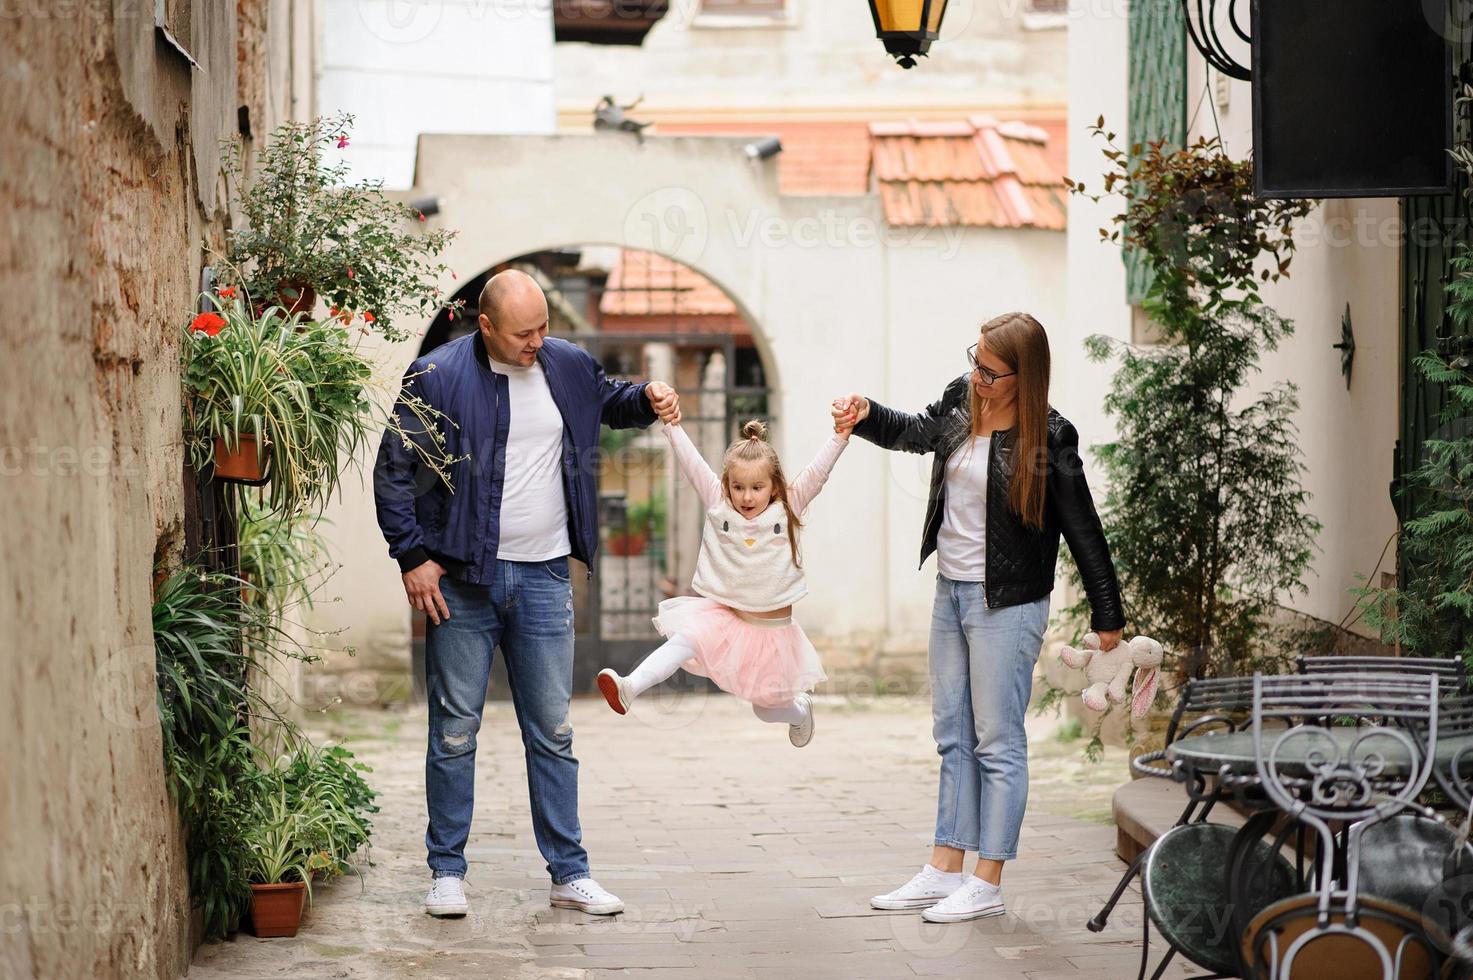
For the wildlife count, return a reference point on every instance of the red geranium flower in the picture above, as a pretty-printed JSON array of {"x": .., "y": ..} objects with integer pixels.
[
  {"x": 227, "y": 292},
  {"x": 207, "y": 323}
]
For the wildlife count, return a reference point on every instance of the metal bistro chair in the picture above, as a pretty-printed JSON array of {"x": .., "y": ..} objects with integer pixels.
[
  {"x": 1452, "y": 679},
  {"x": 1212, "y": 704},
  {"x": 1360, "y": 754}
]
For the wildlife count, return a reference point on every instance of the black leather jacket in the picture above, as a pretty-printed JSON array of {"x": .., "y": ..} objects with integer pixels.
[{"x": 1020, "y": 559}]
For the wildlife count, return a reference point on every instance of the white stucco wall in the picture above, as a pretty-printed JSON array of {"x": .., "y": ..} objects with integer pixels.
[
  {"x": 839, "y": 303},
  {"x": 1346, "y": 254},
  {"x": 446, "y": 66},
  {"x": 824, "y": 55}
]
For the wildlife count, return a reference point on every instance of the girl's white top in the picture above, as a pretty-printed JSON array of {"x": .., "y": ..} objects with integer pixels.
[
  {"x": 748, "y": 564},
  {"x": 961, "y": 544}
]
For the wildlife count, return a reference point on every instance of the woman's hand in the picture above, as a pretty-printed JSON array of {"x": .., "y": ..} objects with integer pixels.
[
  {"x": 849, "y": 411},
  {"x": 1109, "y": 639}
]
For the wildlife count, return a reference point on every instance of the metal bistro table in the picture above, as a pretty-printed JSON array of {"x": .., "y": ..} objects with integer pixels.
[{"x": 1239, "y": 874}]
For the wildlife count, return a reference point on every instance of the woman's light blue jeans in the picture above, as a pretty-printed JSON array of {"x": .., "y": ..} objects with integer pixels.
[{"x": 981, "y": 677}]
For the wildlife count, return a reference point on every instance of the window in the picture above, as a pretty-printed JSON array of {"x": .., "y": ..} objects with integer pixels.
[
  {"x": 1040, "y": 15},
  {"x": 743, "y": 13}
]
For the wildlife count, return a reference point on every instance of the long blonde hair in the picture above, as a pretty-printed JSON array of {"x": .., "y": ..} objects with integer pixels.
[
  {"x": 1019, "y": 341},
  {"x": 753, "y": 447}
]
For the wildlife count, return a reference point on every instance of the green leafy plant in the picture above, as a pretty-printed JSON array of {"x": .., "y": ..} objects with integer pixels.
[
  {"x": 648, "y": 516},
  {"x": 328, "y": 781},
  {"x": 1205, "y": 512},
  {"x": 303, "y": 389},
  {"x": 366, "y": 254},
  {"x": 281, "y": 558}
]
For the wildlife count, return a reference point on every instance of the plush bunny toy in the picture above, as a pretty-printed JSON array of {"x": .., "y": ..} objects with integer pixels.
[{"x": 1108, "y": 672}]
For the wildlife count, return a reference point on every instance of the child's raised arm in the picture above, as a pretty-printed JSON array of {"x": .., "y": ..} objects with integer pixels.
[
  {"x": 706, "y": 483},
  {"x": 806, "y": 485}
]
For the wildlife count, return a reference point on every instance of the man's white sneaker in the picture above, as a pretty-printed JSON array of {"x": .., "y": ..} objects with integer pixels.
[
  {"x": 446, "y": 897},
  {"x": 615, "y": 690},
  {"x": 801, "y": 734},
  {"x": 928, "y": 887},
  {"x": 973, "y": 900},
  {"x": 585, "y": 895}
]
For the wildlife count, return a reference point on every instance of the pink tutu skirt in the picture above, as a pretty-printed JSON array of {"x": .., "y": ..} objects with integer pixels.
[{"x": 766, "y": 663}]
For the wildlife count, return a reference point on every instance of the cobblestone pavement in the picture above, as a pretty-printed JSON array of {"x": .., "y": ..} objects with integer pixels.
[{"x": 736, "y": 854}]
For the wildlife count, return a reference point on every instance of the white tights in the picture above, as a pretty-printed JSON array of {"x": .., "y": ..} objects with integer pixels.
[{"x": 666, "y": 660}]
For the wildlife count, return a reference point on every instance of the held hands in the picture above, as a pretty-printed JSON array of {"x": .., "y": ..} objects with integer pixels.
[
  {"x": 422, "y": 586},
  {"x": 1110, "y": 639},
  {"x": 665, "y": 401},
  {"x": 849, "y": 411}
]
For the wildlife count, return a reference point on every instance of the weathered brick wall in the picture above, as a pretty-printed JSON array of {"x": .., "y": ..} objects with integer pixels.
[{"x": 108, "y": 190}]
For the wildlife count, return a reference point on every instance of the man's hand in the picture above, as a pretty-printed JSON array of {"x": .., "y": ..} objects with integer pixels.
[
  {"x": 665, "y": 401},
  {"x": 422, "y": 585},
  {"x": 1110, "y": 639},
  {"x": 849, "y": 411}
]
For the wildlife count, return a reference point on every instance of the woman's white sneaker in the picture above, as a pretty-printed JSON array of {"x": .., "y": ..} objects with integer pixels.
[
  {"x": 802, "y": 733},
  {"x": 928, "y": 887},
  {"x": 585, "y": 895},
  {"x": 615, "y": 690},
  {"x": 446, "y": 897},
  {"x": 973, "y": 900}
]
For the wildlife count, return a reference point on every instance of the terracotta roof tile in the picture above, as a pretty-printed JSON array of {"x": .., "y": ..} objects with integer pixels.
[
  {"x": 979, "y": 172},
  {"x": 647, "y": 284}
]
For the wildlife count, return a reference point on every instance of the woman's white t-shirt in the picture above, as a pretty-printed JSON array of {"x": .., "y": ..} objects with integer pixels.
[{"x": 961, "y": 544}]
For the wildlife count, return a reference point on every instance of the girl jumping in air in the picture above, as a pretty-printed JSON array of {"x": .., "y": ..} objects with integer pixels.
[{"x": 738, "y": 629}]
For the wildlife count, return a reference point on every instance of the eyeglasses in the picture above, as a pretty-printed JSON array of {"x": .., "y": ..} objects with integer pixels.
[{"x": 987, "y": 374}]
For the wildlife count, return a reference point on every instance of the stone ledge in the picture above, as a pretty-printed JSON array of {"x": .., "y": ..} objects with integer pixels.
[{"x": 1144, "y": 809}]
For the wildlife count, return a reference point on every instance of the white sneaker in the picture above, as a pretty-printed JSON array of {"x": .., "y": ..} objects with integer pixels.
[
  {"x": 974, "y": 900},
  {"x": 585, "y": 895},
  {"x": 446, "y": 897},
  {"x": 615, "y": 690},
  {"x": 928, "y": 887},
  {"x": 801, "y": 734}
]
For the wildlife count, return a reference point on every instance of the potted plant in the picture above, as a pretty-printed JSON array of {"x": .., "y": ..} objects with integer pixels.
[
  {"x": 281, "y": 840},
  {"x": 292, "y": 395},
  {"x": 644, "y": 521},
  {"x": 308, "y": 234}
]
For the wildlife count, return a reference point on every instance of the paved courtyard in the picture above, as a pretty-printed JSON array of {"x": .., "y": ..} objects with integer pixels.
[{"x": 736, "y": 854}]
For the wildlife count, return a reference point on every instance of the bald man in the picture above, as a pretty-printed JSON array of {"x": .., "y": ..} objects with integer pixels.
[{"x": 487, "y": 561}]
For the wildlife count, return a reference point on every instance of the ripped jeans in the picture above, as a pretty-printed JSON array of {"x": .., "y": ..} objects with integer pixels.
[{"x": 528, "y": 612}]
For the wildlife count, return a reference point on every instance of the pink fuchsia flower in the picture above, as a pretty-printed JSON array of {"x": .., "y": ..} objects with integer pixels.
[
  {"x": 342, "y": 141},
  {"x": 421, "y": 216},
  {"x": 350, "y": 272},
  {"x": 368, "y": 317},
  {"x": 207, "y": 323}
]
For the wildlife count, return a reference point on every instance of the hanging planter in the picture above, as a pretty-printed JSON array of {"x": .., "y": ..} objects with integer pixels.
[
  {"x": 276, "y": 910},
  {"x": 245, "y": 463},
  {"x": 293, "y": 296}
]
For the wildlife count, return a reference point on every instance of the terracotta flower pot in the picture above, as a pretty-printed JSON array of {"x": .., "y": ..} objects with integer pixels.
[
  {"x": 294, "y": 296},
  {"x": 276, "y": 910},
  {"x": 629, "y": 544},
  {"x": 243, "y": 463}
]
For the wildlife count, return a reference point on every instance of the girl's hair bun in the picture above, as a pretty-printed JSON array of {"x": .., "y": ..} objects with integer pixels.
[{"x": 755, "y": 429}]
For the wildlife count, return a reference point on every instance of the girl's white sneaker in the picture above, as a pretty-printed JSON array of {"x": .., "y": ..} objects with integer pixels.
[
  {"x": 615, "y": 690},
  {"x": 585, "y": 895},
  {"x": 446, "y": 897},
  {"x": 973, "y": 900},
  {"x": 928, "y": 887},
  {"x": 801, "y": 734}
]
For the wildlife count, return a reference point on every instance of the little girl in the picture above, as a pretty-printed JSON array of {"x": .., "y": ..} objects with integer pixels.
[{"x": 739, "y": 630}]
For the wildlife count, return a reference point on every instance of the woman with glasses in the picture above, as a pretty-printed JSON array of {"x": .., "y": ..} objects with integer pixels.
[{"x": 1006, "y": 483}]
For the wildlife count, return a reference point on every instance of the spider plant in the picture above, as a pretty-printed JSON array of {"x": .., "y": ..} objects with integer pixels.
[{"x": 281, "y": 557}]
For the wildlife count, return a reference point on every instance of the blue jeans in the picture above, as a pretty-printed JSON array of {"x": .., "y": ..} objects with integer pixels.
[
  {"x": 527, "y": 610},
  {"x": 981, "y": 677}
]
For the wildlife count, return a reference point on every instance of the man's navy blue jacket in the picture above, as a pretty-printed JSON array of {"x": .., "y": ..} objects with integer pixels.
[{"x": 422, "y": 518}]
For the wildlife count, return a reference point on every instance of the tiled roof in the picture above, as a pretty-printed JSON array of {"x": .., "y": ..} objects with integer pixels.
[
  {"x": 817, "y": 157},
  {"x": 978, "y": 172},
  {"x": 646, "y": 284}
]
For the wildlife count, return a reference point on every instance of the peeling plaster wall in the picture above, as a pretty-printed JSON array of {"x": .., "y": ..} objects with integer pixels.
[{"x": 108, "y": 188}]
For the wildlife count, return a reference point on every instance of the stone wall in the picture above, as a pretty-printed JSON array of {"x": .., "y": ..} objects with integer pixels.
[{"x": 109, "y": 191}]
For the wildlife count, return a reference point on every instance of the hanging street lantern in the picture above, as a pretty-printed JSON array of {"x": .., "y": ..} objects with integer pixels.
[{"x": 907, "y": 26}]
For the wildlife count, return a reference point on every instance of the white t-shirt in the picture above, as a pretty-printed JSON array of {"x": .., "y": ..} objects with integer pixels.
[
  {"x": 534, "y": 511},
  {"x": 961, "y": 544}
]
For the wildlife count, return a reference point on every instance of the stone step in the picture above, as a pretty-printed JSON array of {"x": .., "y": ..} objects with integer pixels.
[{"x": 1146, "y": 808}]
